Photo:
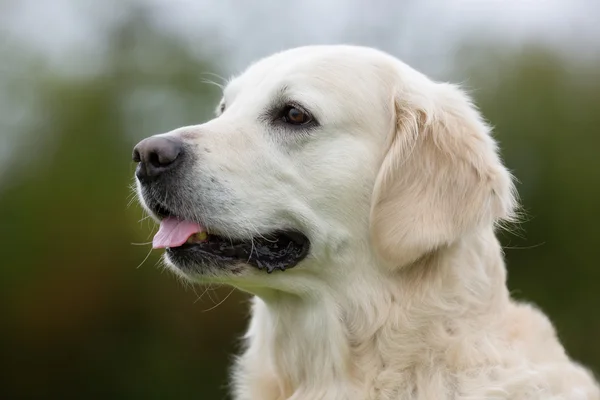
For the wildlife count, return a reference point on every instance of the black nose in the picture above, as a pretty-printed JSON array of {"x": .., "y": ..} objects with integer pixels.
[{"x": 156, "y": 155}]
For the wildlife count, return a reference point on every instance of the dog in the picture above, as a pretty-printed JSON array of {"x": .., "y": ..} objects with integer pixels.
[{"x": 358, "y": 201}]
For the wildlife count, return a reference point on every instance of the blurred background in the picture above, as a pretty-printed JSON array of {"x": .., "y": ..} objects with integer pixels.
[{"x": 87, "y": 313}]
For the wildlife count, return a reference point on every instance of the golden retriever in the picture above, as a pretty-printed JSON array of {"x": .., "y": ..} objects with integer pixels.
[{"x": 357, "y": 200}]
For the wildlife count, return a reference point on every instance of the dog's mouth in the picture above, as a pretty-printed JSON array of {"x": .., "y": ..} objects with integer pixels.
[{"x": 190, "y": 244}]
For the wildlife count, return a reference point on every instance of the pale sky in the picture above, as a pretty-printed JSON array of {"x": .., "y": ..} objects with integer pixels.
[{"x": 423, "y": 32}]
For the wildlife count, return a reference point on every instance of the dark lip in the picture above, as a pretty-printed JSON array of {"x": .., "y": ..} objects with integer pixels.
[
  {"x": 160, "y": 211},
  {"x": 279, "y": 250}
]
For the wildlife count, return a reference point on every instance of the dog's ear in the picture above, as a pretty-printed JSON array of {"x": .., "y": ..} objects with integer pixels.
[{"x": 440, "y": 178}]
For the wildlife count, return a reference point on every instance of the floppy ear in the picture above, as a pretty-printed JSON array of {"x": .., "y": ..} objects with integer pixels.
[{"x": 440, "y": 179}]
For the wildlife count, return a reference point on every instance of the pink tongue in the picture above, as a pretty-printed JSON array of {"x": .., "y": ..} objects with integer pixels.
[{"x": 174, "y": 233}]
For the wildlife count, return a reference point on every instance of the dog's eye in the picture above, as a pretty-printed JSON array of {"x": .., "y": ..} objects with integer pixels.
[{"x": 295, "y": 116}]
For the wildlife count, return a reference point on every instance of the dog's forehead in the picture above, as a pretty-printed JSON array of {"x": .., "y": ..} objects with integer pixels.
[{"x": 326, "y": 67}]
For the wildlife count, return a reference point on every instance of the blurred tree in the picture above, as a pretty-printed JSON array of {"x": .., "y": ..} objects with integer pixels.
[{"x": 546, "y": 112}]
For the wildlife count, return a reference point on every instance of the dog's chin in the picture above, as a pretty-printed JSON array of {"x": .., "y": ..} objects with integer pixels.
[{"x": 217, "y": 255}]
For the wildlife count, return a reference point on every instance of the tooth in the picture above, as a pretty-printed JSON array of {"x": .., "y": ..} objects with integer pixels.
[{"x": 202, "y": 236}]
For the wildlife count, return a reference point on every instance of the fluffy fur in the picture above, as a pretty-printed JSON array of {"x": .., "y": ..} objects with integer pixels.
[{"x": 399, "y": 188}]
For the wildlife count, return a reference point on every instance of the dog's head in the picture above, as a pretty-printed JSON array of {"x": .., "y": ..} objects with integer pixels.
[{"x": 319, "y": 158}]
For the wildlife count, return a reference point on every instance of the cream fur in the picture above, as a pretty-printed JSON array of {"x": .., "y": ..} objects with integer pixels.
[{"x": 399, "y": 189}]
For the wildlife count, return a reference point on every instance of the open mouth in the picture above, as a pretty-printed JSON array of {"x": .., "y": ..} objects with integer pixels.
[{"x": 189, "y": 243}]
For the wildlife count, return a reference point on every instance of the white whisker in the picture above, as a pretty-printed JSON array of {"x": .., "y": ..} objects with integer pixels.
[
  {"x": 213, "y": 83},
  {"x": 221, "y": 302},
  {"x": 142, "y": 263}
]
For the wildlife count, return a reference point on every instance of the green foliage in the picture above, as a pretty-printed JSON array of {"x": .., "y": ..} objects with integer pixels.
[{"x": 546, "y": 113}]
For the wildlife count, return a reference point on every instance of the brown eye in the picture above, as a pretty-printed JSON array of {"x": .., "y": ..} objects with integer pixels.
[{"x": 295, "y": 116}]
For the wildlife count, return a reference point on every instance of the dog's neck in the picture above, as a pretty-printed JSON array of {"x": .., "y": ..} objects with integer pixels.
[{"x": 367, "y": 320}]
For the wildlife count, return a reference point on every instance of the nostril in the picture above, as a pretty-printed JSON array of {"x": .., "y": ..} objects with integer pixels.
[
  {"x": 136, "y": 155},
  {"x": 163, "y": 157},
  {"x": 154, "y": 160},
  {"x": 156, "y": 155}
]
